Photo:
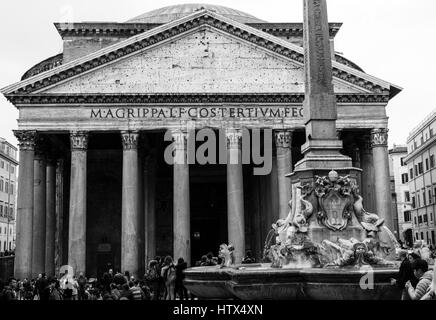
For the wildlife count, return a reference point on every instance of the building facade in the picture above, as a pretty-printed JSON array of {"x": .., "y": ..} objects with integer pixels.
[
  {"x": 8, "y": 193},
  {"x": 421, "y": 166},
  {"x": 93, "y": 121},
  {"x": 401, "y": 194}
]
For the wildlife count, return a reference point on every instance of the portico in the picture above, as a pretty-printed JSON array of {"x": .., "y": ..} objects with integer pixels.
[{"x": 101, "y": 120}]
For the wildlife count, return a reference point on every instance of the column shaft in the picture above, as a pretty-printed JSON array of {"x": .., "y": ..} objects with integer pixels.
[
  {"x": 39, "y": 215},
  {"x": 130, "y": 231},
  {"x": 235, "y": 195},
  {"x": 181, "y": 207},
  {"x": 59, "y": 230},
  {"x": 23, "y": 251},
  {"x": 150, "y": 215},
  {"x": 77, "y": 218},
  {"x": 379, "y": 140},
  {"x": 50, "y": 219},
  {"x": 284, "y": 166}
]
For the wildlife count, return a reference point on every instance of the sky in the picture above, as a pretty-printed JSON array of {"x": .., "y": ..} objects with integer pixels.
[{"x": 390, "y": 39}]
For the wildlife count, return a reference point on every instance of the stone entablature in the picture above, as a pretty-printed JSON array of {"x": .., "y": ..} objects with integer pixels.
[{"x": 161, "y": 116}]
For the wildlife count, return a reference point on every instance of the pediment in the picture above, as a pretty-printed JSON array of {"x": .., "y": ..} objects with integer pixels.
[
  {"x": 220, "y": 54},
  {"x": 206, "y": 61}
]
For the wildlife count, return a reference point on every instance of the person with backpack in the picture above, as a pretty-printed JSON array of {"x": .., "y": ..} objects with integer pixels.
[
  {"x": 169, "y": 276},
  {"x": 153, "y": 278}
]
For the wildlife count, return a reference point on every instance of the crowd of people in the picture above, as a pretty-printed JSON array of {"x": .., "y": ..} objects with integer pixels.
[{"x": 163, "y": 280}]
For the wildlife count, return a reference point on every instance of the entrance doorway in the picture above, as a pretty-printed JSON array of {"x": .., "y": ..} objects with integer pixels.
[{"x": 208, "y": 195}]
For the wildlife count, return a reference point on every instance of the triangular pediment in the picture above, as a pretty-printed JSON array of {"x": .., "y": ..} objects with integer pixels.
[
  {"x": 204, "y": 53},
  {"x": 204, "y": 60}
]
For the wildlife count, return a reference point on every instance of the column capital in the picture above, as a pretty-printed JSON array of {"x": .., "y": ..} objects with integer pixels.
[
  {"x": 180, "y": 138},
  {"x": 130, "y": 139},
  {"x": 379, "y": 137},
  {"x": 283, "y": 138},
  {"x": 234, "y": 138},
  {"x": 79, "y": 140},
  {"x": 26, "y": 139}
]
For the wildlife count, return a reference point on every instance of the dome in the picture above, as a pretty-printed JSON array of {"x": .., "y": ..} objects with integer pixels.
[{"x": 171, "y": 13}]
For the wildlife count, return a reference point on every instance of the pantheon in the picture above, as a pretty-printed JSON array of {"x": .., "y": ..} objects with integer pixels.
[{"x": 94, "y": 189}]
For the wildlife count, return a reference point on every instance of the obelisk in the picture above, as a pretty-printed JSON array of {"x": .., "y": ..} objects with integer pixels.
[{"x": 321, "y": 150}]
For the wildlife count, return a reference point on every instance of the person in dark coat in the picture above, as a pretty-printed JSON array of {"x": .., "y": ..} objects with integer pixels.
[
  {"x": 42, "y": 286},
  {"x": 180, "y": 288},
  {"x": 404, "y": 274}
]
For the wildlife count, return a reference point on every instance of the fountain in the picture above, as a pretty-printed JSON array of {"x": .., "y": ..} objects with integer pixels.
[{"x": 329, "y": 246}]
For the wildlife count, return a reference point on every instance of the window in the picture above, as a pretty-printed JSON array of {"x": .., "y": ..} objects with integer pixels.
[
  {"x": 406, "y": 196},
  {"x": 12, "y": 169},
  {"x": 411, "y": 173},
  {"x": 427, "y": 167},
  {"x": 432, "y": 237},
  {"x": 416, "y": 170},
  {"x": 414, "y": 219},
  {"x": 6, "y": 187},
  {"x": 431, "y": 216},
  {"x": 432, "y": 161},
  {"x": 429, "y": 197},
  {"x": 413, "y": 202},
  {"x": 404, "y": 178},
  {"x": 424, "y": 199},
  {"x": 2, "y": 185},
  {"x": 402, "y": 162},
  {"x": 419, "y": 200},
  {"x": 407, "y": 216},
  {"x": 431, "y": 132},
  {"x": 425, "y": 218},
  {"x": 422, "y": 140},
  {"x": 422, "y": 235},
  {"x": 420, "y": 168},
  {"x": 12, "y": 188},
  {"x": 419, "y": 219},
  {"x": 2, "y": 164},
  {"x": 416, "y": 236}
]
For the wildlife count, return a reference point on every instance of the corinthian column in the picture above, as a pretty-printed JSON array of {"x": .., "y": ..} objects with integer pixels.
[
  {"x": 23, "y": 251},
  {"x": 235, "y": 194},
  {"x": 284, "y": 166},
  {"x": 77, "y": 219},
  {"x": 39, "y": 209},
  {"x": 379, "y": 144},
  {"x": 181, "y": 208},
  {"x": 130, "y": 236}
]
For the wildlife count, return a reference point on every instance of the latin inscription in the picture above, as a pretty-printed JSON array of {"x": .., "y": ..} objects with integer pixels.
[{"x": 197, "y": 112}]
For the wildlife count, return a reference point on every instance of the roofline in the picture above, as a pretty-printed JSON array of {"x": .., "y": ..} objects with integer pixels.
[
  {"x": 393, "y": 89},
  {"x": 415, "y": 131},
  {"x": 132, "y": 28}
]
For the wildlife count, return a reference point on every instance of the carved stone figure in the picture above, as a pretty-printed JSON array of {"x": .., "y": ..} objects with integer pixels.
[
  {"x": 226, "y": 255},
  {"x": 357, "y": 255}
]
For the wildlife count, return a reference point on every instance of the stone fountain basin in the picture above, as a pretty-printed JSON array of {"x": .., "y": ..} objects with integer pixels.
[{"x": 261, "y": 282}]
